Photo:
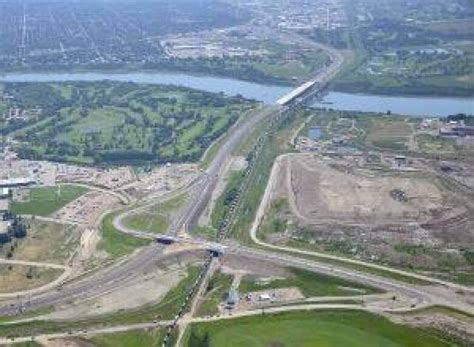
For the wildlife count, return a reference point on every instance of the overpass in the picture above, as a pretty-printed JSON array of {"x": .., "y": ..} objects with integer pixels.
[
  {"x": 314, "y": 87},
  {"x": 304, "y": 94}
]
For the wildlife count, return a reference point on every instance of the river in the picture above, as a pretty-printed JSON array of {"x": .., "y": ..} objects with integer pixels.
[
  {"x": 413, "y": 106},
  {"x": 265, "y": 93},
  {"x": 404, "y": 105}
]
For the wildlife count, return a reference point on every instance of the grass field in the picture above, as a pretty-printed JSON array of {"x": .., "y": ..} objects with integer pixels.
[
  {"x": 156, "y": 218},
  {"x": 46, "y": 242},
  {"x": 310, "y": 284},
  {"x": 111, "y": 122},
  {"x": 45, "y": 200},
  {"x": 312, "y": 329},
  {"x": 432, "y": 144},
  {"x": 390, "y": 134},
  {"x": 28, "y": 344},
  {"x": 115, "y": 243},
  {"x": 21, "y": 277},
  {"x": 437, "y": 60},
  {"x": 156, "y": 223},
  {"x": 217, "y": 288},
  {"x": 137, "y": 338}
]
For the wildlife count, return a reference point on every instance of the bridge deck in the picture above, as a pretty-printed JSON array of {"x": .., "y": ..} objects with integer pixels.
[{"x": 284, "y": 100}]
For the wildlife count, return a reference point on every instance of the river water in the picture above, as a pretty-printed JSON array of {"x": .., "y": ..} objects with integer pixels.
[
  {"x": 265, "y": 93},
  {"x": 404, "y": 105},
  {"x": 413, "y": 106}
]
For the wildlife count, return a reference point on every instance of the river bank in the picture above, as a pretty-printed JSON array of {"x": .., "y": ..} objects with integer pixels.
[{"x": 268, "y": 94}]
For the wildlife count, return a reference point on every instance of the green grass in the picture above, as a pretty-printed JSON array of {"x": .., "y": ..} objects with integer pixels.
[
  {"x": 115, "y": 243},
  {"x": 156, "y": 218},
  {"x": 223, "y": 203},
  {"x": 136, "y": 338},
  {"x": 45, "y": 200},
  {"x": 310, "y": 329},
  {"x": 311, "y": 284},
  {"x": 123, "y": 123},
  {"x": 217, "y": 288},
  {"x": 357, "y": 267},
  {"x": 432, "y": 144},
  {"x": 155, "y": 223},
  {"x": 28, "y": 344},
  {"x": 397, "y": 71},
  {"x": 389, "y": 133}
]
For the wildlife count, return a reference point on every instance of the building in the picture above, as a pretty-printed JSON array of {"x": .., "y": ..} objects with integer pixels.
[
  {"x": 4, "y": 193},
  {"x": 456, "y": 129},
  {"x": 17, "y": 182},
  {"x": 232, "y": 298},
  {"x": 264, "y": 297},
  {"x": 400, "y": 161}
]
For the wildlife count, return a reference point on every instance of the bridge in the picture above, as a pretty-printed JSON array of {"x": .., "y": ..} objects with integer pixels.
[
  {"x": 214, "y": 248},
  {"x": 302, "y": 95}
]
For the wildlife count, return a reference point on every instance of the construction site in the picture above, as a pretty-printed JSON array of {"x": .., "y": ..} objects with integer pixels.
[{"x": 406, "y": 209}]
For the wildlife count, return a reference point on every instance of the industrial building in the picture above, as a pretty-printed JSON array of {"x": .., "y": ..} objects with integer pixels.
[{"x": 17, "y": 182}]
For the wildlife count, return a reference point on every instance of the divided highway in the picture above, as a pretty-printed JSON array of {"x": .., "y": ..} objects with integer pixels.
[{"x": 199, "y": 193}]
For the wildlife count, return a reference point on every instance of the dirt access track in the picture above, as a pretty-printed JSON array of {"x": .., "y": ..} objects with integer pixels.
[{"x": 327, "y": 191}]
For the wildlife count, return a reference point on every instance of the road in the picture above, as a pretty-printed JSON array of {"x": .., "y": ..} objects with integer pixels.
[
  {"x": 261, "y": 212},
  {"x": 123, "y": 272},
  {"x": 163, "y": 324}
]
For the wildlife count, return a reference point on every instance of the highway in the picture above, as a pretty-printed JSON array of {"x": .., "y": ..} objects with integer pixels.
[{"x": 119, "y": 274}]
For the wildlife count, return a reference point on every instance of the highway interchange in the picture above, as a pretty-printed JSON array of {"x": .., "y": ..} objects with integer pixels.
[{"x": 199, "y": 193}]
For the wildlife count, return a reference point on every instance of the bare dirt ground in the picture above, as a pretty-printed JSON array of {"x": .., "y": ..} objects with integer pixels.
[
  {"x": 462, "y": 327},
  {"x": 72, "y": 342},
  {"x": 89, "y": 241},
  {"x": 149, "y": 288},
  {"x": 255, "y": 268},
  {"x": 162, "y": 180},
  {"x": 326, "y": 191},
  {"x": 86, "y": 209},
  {"x": 253, "y": 300},
  {"x": 322, "y": 192},
  {"x": 112, "y": 178},
  {"x": 416, "y": 218}
]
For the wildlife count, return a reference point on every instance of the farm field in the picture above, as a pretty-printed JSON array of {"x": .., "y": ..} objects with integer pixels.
[
  {"x": 43, "y": 201},
  {"x": 309, "y": 329}
]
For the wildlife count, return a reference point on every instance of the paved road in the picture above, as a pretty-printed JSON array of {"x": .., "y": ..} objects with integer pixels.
[
  {"x": 121, "y": 273},
  {"x": 125, "y": 271},
  {"x": 187, "y": 321}
]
